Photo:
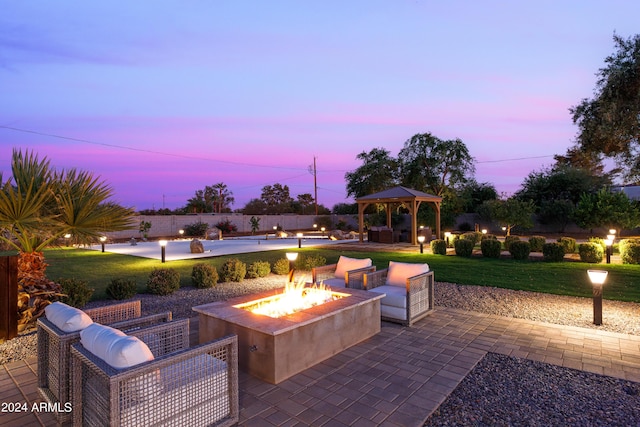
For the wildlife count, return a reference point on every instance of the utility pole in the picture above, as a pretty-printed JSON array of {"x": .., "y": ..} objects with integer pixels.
[{"x": 315, "y": 183}]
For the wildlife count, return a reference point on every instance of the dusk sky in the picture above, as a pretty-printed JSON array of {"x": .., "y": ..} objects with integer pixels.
[{"x": 161, "y": 98}]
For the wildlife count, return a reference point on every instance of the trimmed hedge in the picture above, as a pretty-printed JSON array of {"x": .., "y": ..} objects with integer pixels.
[
  {"x": 568, "y": 243},
  {"x": 590, "y": 252},
  {"x": 204, "y": 276},
  {"x": 490, "y": 248},
  {"x": 536, "y": 243},
  {"x": 120, "y": 289},
  {"x": 233, "y": 270},
  {"x": 508, "y": 240},
  {"x": 439, "y": 247},
  {"x": 463, "y": 247},
  {"x": 163, "y": 281},
  {"x": 630, "y": 251},
  {"x": 258, "y": 269},
  {"x": 520, "y": 250},
  {"x": 77, "y": 292},
  {"x": 281, "y": 266},
  {"x": 552, "y": 252}
]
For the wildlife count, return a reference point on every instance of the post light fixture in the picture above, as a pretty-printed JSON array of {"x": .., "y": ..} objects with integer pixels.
[
  {"x": 447, "y": 236},
  {"x": 421, "y": 241},
  {"x": 612, "y": 231},
  {"x": 163, "y": 246},
  {"x": 299, "y": 236},
  {"x": 291, "y": 256},
  {"x": 181, "y": 232},
  {"x": 322, "y": 229},
  {"x": 102, "y": 240},
  {"x": 484, "y": 231},
  {"x": 597, "y": 278},
  {"x": 608, "y": 244}
]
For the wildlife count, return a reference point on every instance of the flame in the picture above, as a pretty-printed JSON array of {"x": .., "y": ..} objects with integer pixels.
[{"x": 296, "y": 297}]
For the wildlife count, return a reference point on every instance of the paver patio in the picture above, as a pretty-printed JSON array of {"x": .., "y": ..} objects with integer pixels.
[{"x": 396, "y": 378}]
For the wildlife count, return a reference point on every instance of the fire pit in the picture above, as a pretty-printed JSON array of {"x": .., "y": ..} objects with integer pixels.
[{"x": 276, "y": 347}]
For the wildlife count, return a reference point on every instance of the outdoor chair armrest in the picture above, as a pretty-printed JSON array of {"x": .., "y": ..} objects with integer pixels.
[
  {"x": 354, "y": 279},
  {"x": 374, "y": 279},
  {"x": 322, "y": 270},
  {"x": 164, "y": 338}
]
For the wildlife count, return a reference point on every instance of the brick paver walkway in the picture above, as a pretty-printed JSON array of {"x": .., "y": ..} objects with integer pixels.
[{"x": 396, "y": 378}]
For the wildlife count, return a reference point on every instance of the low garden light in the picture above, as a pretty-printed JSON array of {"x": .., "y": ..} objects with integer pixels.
[
  {"x": 612, "y": 231},
  {"x": 181, "y": 233},
  {"x": 102, "y": 240},
  {"x": 484, "y": 231},
  {"x": 421, "y": 241},
  {"x": 447, "y": 236},
  {"x": 299, "y": 236},
  {"x": 597, "y": 278},
  {"x": 292, "y": 257},
  {"x": 322, "y": 229},
  {"x": 163, "y": 247},
  {"x": 609, "y": 245}
]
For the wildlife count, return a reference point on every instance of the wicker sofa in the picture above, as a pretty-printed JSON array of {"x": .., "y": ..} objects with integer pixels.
[
  {"x": 195, "y": 386},
  {"x": 54, "y": 347},
  {"x": 408, "y": 290},
  {"x": 346, "y": 273}
]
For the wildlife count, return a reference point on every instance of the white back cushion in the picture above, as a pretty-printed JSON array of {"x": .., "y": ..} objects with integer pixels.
[
  {"x": 115, "y": 347},
  {"x": 399, "y": 272},
  {"x": 347, "y": 264},
  {"x": 67, "y": 318}
]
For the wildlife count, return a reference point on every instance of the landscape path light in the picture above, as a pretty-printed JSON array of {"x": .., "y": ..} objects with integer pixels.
[
  {"x": 447, "y": 235},
  {"x": 484, "y": 231},
  {"x": 597, "y": 278},
  {"x": 102, "y": 240},
  {"x": 322, "y": 229},
  {"x": 421, "y": 241},
  {"x": 181, "y": 233},
  {"x": 163, "y": 247},
  {"x": 299, "y": 236},
  {"x": 609, "y": 245},
  {"x": 291, "y": 256}
]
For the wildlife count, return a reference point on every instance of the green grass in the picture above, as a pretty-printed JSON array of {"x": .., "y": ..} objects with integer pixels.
[{"x": 565, "y": 278}]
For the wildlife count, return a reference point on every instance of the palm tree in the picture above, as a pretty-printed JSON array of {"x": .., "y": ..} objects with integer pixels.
[{"x": 38, "y": 206}]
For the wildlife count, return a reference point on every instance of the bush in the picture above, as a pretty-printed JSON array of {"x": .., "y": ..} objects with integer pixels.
[
  {"x": 508, "y": 240},
  {"x": 78, "y": 293},
  {"x": 281, "y": 266},
  {"x": 163, "y": 281},
  {"x": 520, "y": 250},
  {"x": 489, "y": 236},
  {"x": 204, "y": 275},
  {"x": 121, "y": 289},
  {"x": 568, "y": 243},
  {"x": 227, "y": 226},
  {"x": 439, "y": 247},
  {"x": 600, "y": 241},
  {"x": 473, "y": 236},
  {"x": 233, "y": 270},
  {"x": 552, "y": 252},
  {"x": 630, "y": 251},
  {"x": 463, "y": 247},
  {"x": 536, "y": 243},
  {"x": 590, "y": 252},
  {"x": 307, "y": 262},
  {"x": 197, "y": 229},
  {"x": 258, "y": 269},
  {"x": 490, "y": 248}
]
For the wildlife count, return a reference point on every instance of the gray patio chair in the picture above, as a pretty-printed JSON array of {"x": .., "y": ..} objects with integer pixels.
[
  {"x": 54, "y": 347},
  {"x": 346, "y": 273},
  {"x": 408, "y": 290},
  {"x": 195, "y": 386}
]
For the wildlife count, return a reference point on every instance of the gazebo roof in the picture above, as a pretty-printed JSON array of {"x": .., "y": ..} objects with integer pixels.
[{"x": 399, "y": 193}]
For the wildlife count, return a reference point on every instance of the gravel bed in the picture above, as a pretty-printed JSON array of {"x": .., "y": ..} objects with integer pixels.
[{"x": 500, "y": 390}]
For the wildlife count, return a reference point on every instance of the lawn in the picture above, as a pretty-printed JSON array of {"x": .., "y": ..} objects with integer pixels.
[{"x": 565, "y": 278}]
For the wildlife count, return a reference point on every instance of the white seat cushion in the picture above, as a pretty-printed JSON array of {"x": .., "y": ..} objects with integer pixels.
[
  {"x": 399, "y": 272},
  {"x": 334, "y": 283},
  {"x": 67, "y": 318},
  {"x": 114, "y": 346},
  {"x": 347, "y": 264},
  {"x": 396, "y": 295}
]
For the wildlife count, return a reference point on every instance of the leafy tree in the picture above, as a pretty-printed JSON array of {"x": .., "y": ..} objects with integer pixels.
[
  {"x": 255, "y": 207},
  {"x": 609, "y": 123},
  {"x": 197, "y": 203},
  {"x": 472, "y": 194},
  {"x": 277, "y": 198},
  {"x": 509, "y": 213},
  {"x": 305, "y": 201},
  {"x": 577, "y": 158},
  {"x": 220, "y": 197},
  {"x": 558, "y": 212},
  {"x": 607, "y": 209},
  {"x": 38, "y": 205},
  {"x": 432, "y": 165},
  {"x": 378, "y": 172},
  {"x": 345, "y": 209}
]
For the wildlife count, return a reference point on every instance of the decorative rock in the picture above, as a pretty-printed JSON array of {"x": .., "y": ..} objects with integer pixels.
[{"x": 196, "y": 247}]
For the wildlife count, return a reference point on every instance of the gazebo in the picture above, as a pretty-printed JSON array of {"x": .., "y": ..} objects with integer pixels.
[{"x": 408, "y": 197}]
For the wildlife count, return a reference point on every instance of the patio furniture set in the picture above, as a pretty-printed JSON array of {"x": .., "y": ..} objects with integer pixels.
[{"x": 112, "y": 366}]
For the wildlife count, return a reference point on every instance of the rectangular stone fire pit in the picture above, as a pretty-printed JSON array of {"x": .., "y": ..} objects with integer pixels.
[{"x": 274, "y": 349}]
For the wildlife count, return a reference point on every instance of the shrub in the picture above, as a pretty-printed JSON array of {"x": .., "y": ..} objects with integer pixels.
[
  {"x": 78, "y": 293},
  {"x": 163, "y": 281},
  {"x": 463, "y": 247},
  {"x": 508, "y": 240},
  {"x": 307, "y": 262},
  {"x": 590, "y": 252},
  {"x": 204, "y": 275},
  {"x": 568, "y": 243},
  {"x": 281, "y": 266},
  {"x": 439, "y": 247},
  {"x": 227, "y": 226},
  {"x": 488, "y": 236},
  {"x": 490, "y": 248},
  {"x": 552, "y": 252},
  {"x": 600, "y": 241},
  {"x": 630, "y": 251},
  {"x": 536, "y": 243},
  {"x": 121, "y": 289},
  {"x": 233, "y": 270},
  {"x": 473, "y": 236},
  {"x": 258, "y": 269},
  {"x": 520, "y": 250},
  {"x": 197, "y": 229}
]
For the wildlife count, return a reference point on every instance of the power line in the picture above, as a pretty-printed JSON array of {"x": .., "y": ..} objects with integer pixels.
[{"x": 512, "y": 160}]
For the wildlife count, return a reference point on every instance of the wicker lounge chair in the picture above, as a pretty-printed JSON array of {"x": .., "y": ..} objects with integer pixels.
[
  {"x": 195, "y": 386},
  {"x": 408, "y": 289},
  {"x": 346, "y": 273},
  {"x": 54, "y": 347}
]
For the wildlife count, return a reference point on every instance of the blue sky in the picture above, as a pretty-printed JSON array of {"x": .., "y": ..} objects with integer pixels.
[{"x": 161, "y": 98}]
